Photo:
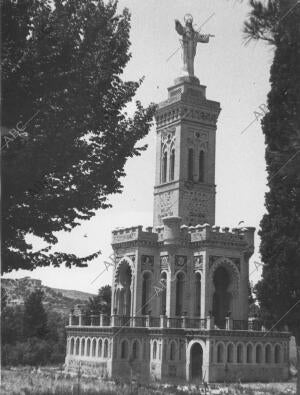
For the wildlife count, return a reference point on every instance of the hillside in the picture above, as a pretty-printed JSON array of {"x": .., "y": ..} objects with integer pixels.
[
  {"x": 73, "y": 294},
  {"x": 60, "y": 300}
]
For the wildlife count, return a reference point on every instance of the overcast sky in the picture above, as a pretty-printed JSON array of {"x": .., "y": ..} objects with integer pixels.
[{"x": 235, "y": 75}]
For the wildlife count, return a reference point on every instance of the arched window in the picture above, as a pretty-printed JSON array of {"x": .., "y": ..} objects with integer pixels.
[
  {"x": 154, "y": 349},
  {"x": 191, "y": 164},
  {"x": 172, "y": 164},
  {"x": 277, "y": 354},
  {"x": 124, "y": 349},
  {"x": 77, "y": 347},
  {"x": 220, "y": 353},
  {"x": 94, "y": 348},
  {"x": 172, "y": 351},
  {"x": 88, "y": 347},
  {"x": 146, "y": 290},
  {"x": 72, "y": 346},
  {"x": 197, "y": 295},
  {"x": 100, "y": 348},
  {"x": 268, "y": 353},
  {"x": 163, "y": 293},
  {"x": 201, "y": 166},
  {"x": 230, "y": 353},
  {"x": 164, "y": 167},
  {"x": 249, "y": 353},
  {"x": 239, "y": 353},
  {"x": 135, "y": 350},
  {"x": 258, "y": 354},
  {"x": 82, "y": 346},
  {"x": 105, "y": 349},
  {"x": 179, "y": 293}
]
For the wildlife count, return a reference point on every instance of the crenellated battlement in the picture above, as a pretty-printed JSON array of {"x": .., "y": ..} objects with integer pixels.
[
  {"x": 172, "y": 232},
  {"x": 123, "y": 235}
]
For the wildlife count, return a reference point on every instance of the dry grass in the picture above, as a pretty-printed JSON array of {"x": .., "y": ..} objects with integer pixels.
[{"x": 26, "y": 381}]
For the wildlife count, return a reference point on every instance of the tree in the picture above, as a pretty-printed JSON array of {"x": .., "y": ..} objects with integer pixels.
[
  {"x": 68, "y": 135},
  {"x": 35, "y": 316},
  {"x": 101, "y": 303},
  {"x": 278, "y": 292}
]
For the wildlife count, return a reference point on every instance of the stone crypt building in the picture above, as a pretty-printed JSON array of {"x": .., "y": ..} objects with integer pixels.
[{"x": 180, "y": 289}]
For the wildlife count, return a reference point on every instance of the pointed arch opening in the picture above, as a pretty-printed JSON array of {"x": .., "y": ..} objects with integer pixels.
[
  {"x": 201, "y": 166},
  {"x": 196, "y": 362},
  {"x": 180, "y": 280},
  {"x": 100, "y": 348},
  {"x": 268, "y": 354},
  {"x": 190, "y": 164},
  {"x": 258, "y": 354},
  {"x": 172, "y": 164},
  {"x": 249, "y": 353},
  {"x": 230, "y": 353},
  {"x": 105, "y": 349},
  {"x": 220, "y": 353},
  {"x": 72, "y": 343},
  {"x": 135, "y": 350},
  {"x": 163, "y": 294},
  {"x": 172, "y": 351},
  {"x": 146, "y": 293},
  {"x": 123, "y": 289},
  {"x": 164, "y": 167},
  {"x": 94, "y": 347},
  {"x": 222, "y": 296},
  {"x": 197, "y": 294},
  {"x": 82, "y": 346},
  {"x": 239, "y": 353}
]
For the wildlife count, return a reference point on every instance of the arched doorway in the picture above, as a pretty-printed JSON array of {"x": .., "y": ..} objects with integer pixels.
[
  {"x": 196, "y": 361},
  {"x": 221, "y": 298}
]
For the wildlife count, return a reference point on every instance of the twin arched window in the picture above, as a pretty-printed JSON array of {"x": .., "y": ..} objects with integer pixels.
[{"x": 164, "y": 169}]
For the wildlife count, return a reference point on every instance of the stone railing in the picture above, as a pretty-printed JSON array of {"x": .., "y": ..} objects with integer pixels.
[{"x": 147, "y": 321}]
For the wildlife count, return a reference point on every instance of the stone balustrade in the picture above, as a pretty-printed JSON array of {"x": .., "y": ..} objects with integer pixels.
[{"x": 162, "y": 321}]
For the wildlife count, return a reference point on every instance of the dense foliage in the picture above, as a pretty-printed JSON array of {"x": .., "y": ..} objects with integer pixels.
[
  {"x": 67, "y": 133},
  {"x": 101, "y": 303},
  {"x": 32, "y": 336},
  {"x": 279, "y": 290}
]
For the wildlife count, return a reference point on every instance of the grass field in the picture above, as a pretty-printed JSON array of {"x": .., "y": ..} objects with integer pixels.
[{"x": 28, "y": 381}]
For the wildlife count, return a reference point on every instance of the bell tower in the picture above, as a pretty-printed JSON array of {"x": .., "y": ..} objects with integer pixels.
[{"x": 186, "y": 126}]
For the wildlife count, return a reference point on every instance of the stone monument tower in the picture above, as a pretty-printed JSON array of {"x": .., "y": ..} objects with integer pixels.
[
  {"x": 186, "y": 138},
  {"x": 179, "y": 305}
]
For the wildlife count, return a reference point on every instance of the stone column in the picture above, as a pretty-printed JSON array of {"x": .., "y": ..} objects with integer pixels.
[
  {"x": 210, "y": 322},
  {"x": 70, "y": 319},
  {"x": 147, "y": 321},
  {"x": 163, "y": 321},
  {"x": 80, "y": 319},
  {"x": 101, "y": 319},
  {"x": 229, "y": 323}
]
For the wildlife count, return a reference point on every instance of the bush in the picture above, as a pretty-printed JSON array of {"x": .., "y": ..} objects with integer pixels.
[{"x": 32, "y": 352}]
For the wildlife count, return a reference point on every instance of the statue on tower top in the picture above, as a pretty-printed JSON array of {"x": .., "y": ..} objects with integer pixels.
[{"x": 189, "y": 41}]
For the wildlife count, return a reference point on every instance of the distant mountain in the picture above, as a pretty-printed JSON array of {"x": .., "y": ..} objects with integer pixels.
[{"x": 60, "y": 300}]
